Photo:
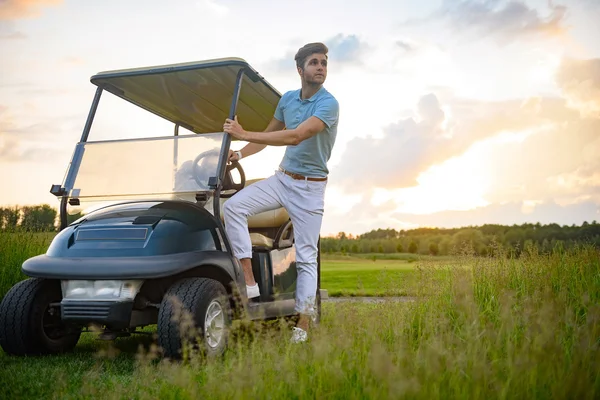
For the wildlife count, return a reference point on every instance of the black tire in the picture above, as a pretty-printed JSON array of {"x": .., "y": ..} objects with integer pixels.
[
  {"x": 194, "y": 296},
  {"x": 25, "y": 317}
]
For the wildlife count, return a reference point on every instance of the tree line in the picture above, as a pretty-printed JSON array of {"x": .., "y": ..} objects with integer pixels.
[
  {"x": 481, "y": 240},
  {"x": 33, "y": 218},
  {"x": 29, "y": 218}
]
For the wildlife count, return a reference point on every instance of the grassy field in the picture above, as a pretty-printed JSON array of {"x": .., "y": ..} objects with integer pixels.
[
  {"x": 355, "y": 276},
  {"x": 16, "y": 248},
  {"x": 479, "y": 328}
]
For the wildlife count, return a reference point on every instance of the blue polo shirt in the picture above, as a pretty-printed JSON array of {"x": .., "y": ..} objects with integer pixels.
[{"x": 309, "y": 158}]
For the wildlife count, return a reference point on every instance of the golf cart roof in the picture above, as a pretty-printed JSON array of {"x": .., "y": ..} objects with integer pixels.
[{"x": 196, "y": 95}]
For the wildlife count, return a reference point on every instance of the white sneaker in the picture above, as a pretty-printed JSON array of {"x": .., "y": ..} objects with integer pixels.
[
  {"x": 253, "y": 291},
  {"x": 299, "y": 335}
]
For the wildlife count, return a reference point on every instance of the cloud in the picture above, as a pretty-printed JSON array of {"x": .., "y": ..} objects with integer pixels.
[
  {"x": 365, "y": 216},
  {"x": 12, "y": 150},
  {"x": 504, "y": 21},
  {"x": 16, "y": 9},
  {"x": 410, "y": 146},
  {"x": 557, "y": 164},
  {"x": 40, "y": 141},
  {"x": 407, "y": 47},
  {"x": 560, "y": 162},
  {"x": 394, "y": 160},
  {"x": 347, "y": 49},
  {"x": 344, "y": 50},
  {"x": 580, "y": 81}
]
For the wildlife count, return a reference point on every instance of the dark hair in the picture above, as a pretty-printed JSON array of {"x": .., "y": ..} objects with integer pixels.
[{"x": 308, "y": 49}]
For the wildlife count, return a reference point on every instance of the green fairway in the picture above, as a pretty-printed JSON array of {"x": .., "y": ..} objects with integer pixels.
[{"x": 367, "y": 278}]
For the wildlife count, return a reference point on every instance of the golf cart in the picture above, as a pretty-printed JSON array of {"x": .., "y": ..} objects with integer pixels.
[{"x": 156, "y": 246}]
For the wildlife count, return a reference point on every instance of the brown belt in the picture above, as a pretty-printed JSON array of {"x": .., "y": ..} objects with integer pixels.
[{"x": 300, "y": 177}]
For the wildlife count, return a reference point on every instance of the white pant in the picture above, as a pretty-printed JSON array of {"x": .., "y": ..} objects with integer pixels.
[{"x": 304, "y": 201}]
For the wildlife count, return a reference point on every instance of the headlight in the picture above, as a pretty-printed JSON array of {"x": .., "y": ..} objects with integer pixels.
[{"x": 100, "y": 290}]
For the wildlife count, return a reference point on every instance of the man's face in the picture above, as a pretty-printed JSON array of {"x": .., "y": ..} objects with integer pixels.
[{"x": 315, "y": 69}]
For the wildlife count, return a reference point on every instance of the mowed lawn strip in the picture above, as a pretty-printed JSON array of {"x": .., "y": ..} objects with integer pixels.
[{"x": 359, "y": 277}]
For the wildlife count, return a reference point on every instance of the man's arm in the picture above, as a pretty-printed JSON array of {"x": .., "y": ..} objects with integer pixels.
[
  {"x": 280, "y": 137},
  {"x": 253, "y": 147}
]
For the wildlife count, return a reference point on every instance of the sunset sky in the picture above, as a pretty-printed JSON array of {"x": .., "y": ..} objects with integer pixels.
[{"x": 453, "y": 113}]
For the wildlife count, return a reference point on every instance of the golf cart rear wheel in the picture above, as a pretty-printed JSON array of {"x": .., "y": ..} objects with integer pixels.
[
  {"x": 30, "y": 322},
  {"x": 192, "y": 309}
]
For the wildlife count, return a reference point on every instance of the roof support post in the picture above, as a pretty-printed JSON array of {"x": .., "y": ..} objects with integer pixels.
[
  {"x": 64, "y": 192},
  {"x": 91, "y": 115},
  {"x": 217, "y": 182}
]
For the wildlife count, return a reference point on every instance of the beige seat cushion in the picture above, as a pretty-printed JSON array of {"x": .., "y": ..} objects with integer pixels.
[
  {"x": 268, "y": 219},
  {"x": 260, "y": 240}
]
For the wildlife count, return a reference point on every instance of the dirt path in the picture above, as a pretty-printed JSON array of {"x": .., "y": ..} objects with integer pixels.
[{"x": 368, "y": 299}]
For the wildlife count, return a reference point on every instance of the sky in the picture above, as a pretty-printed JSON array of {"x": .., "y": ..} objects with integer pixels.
[{"x": 452, "y": 113}]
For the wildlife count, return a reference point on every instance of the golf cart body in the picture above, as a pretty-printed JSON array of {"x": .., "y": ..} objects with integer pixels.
[{"x": 156, "y": 223}]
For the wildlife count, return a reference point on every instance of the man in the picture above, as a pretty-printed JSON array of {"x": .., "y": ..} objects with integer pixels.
[{"x": 306, "y": 121}]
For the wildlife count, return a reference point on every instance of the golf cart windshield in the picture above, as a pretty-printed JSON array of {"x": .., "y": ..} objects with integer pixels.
[{"x": 146, "y": 168}]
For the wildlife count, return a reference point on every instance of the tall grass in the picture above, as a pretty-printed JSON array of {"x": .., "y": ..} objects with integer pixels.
[
  {"x": 497, "y": 327},
  {"x": 16, "y": 247}
]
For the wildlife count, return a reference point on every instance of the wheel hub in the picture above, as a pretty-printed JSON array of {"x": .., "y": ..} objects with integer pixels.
[{"x": 214, "y": 324}]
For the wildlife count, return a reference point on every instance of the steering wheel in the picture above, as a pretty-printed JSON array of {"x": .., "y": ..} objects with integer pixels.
[
  {"x": 228, "y": 183},
  {"x": 201, "y": 176}
]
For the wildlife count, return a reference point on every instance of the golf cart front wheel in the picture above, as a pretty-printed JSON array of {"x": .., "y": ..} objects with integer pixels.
[
  {"x": 30, "y": 322},
  {"x": 194, "y": 312}
]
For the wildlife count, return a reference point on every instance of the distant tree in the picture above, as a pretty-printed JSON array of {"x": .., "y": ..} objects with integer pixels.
[
  {"x": 515, "y": 237},
  {"x": 39, "y": 218},
  {"x": 434, "y": 249},
  {"x": 470, "y": 239},
  {"x": 445, "y": 245},
  {"x": 399, "y": 248},
  {"x": 10, "y": 217},
  {"x": 412, "y": 247}
]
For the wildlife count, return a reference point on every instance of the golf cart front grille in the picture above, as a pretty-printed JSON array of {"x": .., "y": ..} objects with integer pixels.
[
  {"x": 116, "y": 314},
  {"x": 86, "y": 310}
]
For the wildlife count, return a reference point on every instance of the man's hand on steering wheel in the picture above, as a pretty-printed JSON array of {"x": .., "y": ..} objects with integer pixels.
[{"x": 233, "y": 156}]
